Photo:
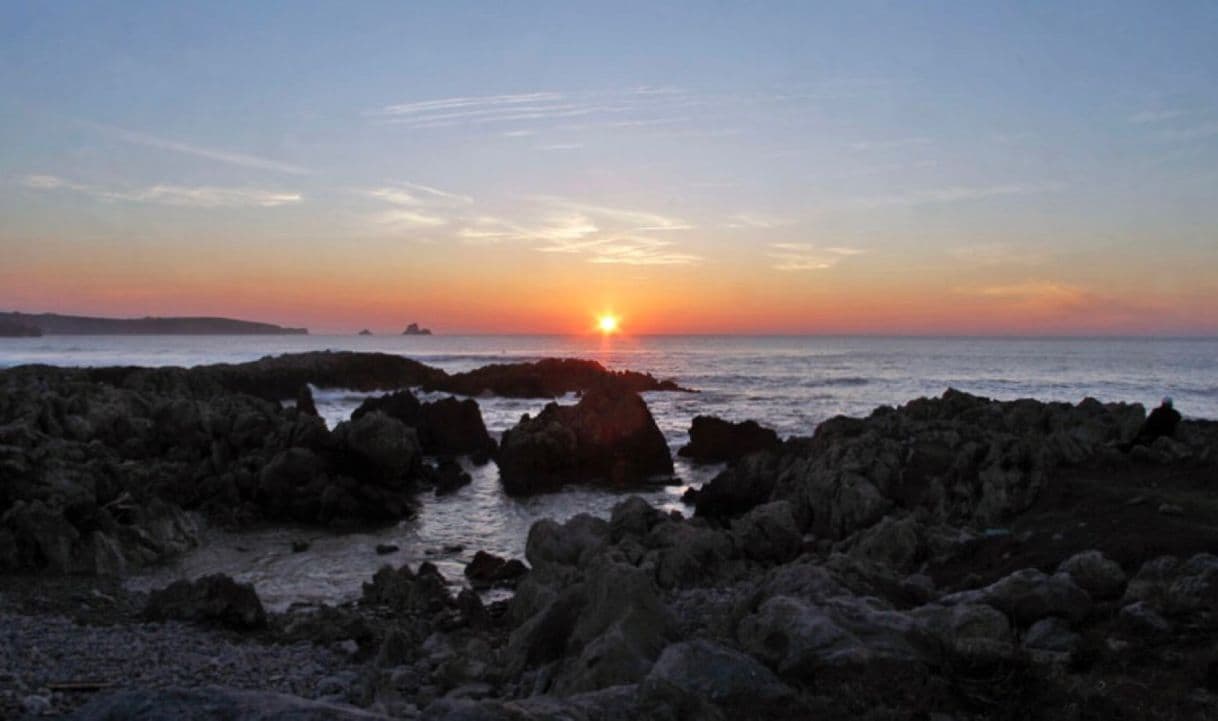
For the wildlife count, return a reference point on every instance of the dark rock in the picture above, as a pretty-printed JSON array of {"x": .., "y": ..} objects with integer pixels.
[
  {"x": 1161, "y": 423},
  {"x": 446, "y": 427},
  {"x": 304, "y": 401},
  {"x": 384, "y": 549},
  {"x": 712, "y": 440},
  {"x": 693, "y": 671},
  {"x": 414, "y": 329},
  {"x": 215, "y": 599},
  {"x": 487, "y": 570},
  {"x": 547, "y": 378},
  {"x": 607, "y": 437},
  {"x": 450, "y": 477},
  {"x": 300, "y": 546},
  {"x": 404, "y": 590},
  {"x": 452, "y": 427},
  {"x": 1030, "y": 595}
]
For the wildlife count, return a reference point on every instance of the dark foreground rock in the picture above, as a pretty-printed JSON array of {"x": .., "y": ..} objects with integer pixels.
[
  {"x": 215, "y": 599},
  {"x": 713, "y": 440},
  {"x": 608, "y": 438}
]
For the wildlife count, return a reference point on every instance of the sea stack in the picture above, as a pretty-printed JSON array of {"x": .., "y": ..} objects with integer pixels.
[{"x": 414, "y": 329}]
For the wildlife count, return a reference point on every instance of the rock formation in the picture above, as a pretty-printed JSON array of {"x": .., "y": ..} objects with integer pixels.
[
  {"x": 608, "y": 438},
  {"x": 713, "y": 440}
]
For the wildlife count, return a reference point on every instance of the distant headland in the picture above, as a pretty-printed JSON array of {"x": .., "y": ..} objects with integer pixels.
[
  {"x": 414, "y": 329},
  {"x": 36, "y": 324}
]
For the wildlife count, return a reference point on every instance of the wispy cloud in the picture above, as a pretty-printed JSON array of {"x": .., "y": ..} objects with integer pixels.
[
  {"x": 1197, "y": 132},
  {"x": 755, "y": 221},
  {"x": 1148, "y": 117},
  {"x": 633, "y": 250},
  {"x": 805, "y": 256},
  {"x": 401, "y": 218},
  {"x": 893, "y": 144},
  {"x": 200, "y": 196},
  {"x": 417, "y": 195},
  {"x": 1001, "y": 254},
  {"x": 601, "y": 234},
  {"x": 535, "y": 106},
  {"x": 954, "y": 194},
  {"x": 222, "y": 156},
  {"x": 560, "y": 146}
]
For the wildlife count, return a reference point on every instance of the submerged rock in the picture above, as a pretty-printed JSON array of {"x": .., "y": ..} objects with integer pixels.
[{"x": 487, "y": 570}]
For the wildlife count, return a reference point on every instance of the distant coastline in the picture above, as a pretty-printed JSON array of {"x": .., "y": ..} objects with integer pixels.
[{"x": 55, "y": 324}]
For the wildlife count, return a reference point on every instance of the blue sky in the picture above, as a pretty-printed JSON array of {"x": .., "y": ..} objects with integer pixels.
[{"x": 1051, "y": 166}]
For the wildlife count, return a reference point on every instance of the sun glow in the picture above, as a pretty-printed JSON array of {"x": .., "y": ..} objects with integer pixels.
[{"x": 607, "y": 324}]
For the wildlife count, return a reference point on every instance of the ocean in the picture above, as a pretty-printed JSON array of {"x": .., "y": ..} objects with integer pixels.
[{"x": 789, "y": 383}]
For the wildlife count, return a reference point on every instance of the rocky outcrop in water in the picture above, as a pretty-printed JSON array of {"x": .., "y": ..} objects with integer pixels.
[
  {"x": 547, "y": 378},
  {"x": 608, "y": 438},
  {"x": 713, "y": 440},
  {"x": 446, "y": 427}
]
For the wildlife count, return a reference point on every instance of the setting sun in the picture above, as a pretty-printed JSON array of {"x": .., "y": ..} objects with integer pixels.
[{"x": 607, "y": 324}]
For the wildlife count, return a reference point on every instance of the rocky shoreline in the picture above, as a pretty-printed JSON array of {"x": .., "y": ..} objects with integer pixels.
[{"x": 953, "y": 558}]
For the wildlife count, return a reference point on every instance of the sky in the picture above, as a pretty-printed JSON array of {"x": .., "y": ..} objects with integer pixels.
[{"x": 701, "y": 167}]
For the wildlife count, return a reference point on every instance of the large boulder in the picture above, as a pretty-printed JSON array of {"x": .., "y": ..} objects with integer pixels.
[
  {"x": 1094, "y": 573},
  {"x": 701, "y": 671},
  {"x": 605, "y": 630},
  {"x": 714, "y": 440},
  {"x": 608, "y": 437},
  {"x": 445, "y": 427},
  {"x": 1028, "y": 596},
  {"x": 1176, "y": 588},
  {"x": 799, "y": 637},
  {"x": 215, "y": 599}
]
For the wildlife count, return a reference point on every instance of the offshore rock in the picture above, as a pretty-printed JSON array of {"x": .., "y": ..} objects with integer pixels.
[
  {"x": 713, "y": 440},
  {"x": 608, "y": 437}
]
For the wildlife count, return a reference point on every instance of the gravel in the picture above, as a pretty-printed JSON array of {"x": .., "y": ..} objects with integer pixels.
[{"x": 40, "y": 651}]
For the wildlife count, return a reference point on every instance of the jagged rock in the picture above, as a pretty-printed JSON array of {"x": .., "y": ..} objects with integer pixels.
[
  {"x": 487, "y": 570},
  {"x": 1140, "y": 619},
  {"x": 1051, "y": 635},
  {"x": 604, "y": 631},
  {"x": 713, "y": 440},
  {"x": 1177, "y": 588},
  {"x": 897, "y": 543},
  {"x": 607, "y": 437},
  {"x": 552, "y": 543},
  {"x": 705, "y": 671},
  {"x": 1095, "y": 574},
  {"x": 304, "y": 401},
  {"x": 215, "y": 599},
  {"x": 404, "y": 590},
  {"x": 798, "y": 637},
  {"x": 768, "y": 533},
  {"x": 445, "y": 427},
  {"x": 969, "y": 630},
  {"x": 1030, "y": 595},
  {"x": 450, "y": 477}
]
